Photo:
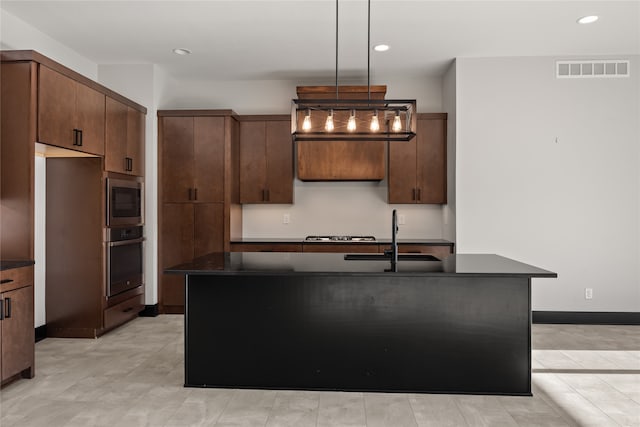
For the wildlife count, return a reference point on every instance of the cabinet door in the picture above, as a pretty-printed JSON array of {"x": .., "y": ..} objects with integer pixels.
[
  {"x": 279, "y": 154},
  {"x": 65, "y": 106},
  {"x": 56, "y": 108},
  {"x": 208, "y": 162},
  {"x": 177, "y": 159},
  {"x": 116, "y": 136},
  {"x": 176, "y": 235},
  {"x": 208, "y": 227},
  {"x": 18, "y": 108},
  {"x": 253, "y": 162},
  {"x": 17, "y": 331},
  {"x": 135, "y": 141},
  {"x": 431, "y": 154},
  {"x": 90, "y": 117},
  {"x": 402, "y": 172}
]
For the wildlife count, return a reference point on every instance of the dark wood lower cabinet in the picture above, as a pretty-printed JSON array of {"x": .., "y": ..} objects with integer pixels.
[
  {"x": 439, "y": 250},
  {"x": 188, "y": 230},
  {"x": 16, "y": 325},
  {"x": 266, "y": 247}
]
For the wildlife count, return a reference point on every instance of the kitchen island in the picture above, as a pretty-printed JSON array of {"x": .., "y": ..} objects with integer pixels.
[{"x": 318, "y": 321}]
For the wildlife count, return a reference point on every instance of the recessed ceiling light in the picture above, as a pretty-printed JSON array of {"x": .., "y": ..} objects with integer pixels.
[
  {"x": 181, "y": 51},
  {"x": 381, "y": 48},
  {"x": 587, "y": 19}
]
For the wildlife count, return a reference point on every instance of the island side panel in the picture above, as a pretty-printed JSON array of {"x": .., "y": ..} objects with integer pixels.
[{"x": 449, "y": 334}]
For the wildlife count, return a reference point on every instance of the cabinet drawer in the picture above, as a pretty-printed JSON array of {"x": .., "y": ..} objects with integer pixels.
[
  {"x": 123, "y": 312},
  {"x": 16, "y": 278},
  {"x": 266, "y": 247},
  {"x": 340, "y": 248}
]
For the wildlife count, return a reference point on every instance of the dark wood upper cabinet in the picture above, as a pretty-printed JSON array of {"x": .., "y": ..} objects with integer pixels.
[
  {"x": 418, "y": 168},
  {"x": 70, "y": 114},
  {"x": 136, "y": 140},
  {"x": 18, "y": 102},
  {"x": 209, "y": 159},
  {"x": 266, "y": 159},
  {"x": 176, "y": 156},
  {"x": 193, "y": 159},
  {"x": 124, "y": 149}
]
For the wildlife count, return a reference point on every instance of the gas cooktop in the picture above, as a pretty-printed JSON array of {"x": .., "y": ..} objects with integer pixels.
[{"x": 340, "y": 239}]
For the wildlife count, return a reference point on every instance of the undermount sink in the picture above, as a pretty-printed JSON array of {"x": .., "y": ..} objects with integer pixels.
[{"x": 385, "y": 257}]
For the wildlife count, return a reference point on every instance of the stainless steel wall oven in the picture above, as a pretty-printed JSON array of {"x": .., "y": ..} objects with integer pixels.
[{"x": 124, "y": 259}]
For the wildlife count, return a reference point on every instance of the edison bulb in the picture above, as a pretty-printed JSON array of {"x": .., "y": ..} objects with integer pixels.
[
  {"x": 397, "y": 124},
  {"x": 351, "y": 124},
  {"x": 328, "y": 126},
  {"x": 306, "y": 123},
  {"x": 375, "y": 125}
]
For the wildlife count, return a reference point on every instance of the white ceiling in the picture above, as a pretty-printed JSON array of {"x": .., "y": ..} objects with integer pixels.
[{"x": 268, "y": 39}]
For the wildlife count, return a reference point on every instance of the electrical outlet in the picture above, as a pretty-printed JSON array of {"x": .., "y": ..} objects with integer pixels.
[
  {"x": 401, "y": 220},
  {"x": 588, "y": 293},
  {"x": 286, "y": 218}
]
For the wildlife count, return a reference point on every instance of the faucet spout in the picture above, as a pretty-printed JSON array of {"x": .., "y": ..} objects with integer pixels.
[{"x": 393, "y": 252}]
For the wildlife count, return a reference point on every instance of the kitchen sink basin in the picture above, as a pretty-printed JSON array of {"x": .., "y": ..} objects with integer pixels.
[{"x": 385, "y": 257}]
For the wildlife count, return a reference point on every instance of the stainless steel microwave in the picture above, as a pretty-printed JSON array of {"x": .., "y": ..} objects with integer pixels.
[{"x": 124, "y": 202}]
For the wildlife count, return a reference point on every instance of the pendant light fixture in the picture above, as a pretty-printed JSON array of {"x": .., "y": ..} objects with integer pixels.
[{"x": 386, "y": 119}]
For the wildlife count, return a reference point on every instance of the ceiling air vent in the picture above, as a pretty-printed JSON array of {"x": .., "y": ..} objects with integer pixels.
[{"x": 592, "y": 69}]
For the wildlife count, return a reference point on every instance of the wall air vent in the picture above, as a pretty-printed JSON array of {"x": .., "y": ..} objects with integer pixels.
[{"x": 592, "y": 69}]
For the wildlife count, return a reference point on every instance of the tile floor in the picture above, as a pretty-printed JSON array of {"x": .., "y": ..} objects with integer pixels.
[{"x": 582, "y": 376}]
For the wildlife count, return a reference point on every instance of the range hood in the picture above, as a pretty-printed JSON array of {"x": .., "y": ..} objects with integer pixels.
[{"x": 335, "y": 159}]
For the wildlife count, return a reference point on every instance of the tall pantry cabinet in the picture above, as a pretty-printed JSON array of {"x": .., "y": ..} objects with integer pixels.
[{"x": 198, "y": 175}]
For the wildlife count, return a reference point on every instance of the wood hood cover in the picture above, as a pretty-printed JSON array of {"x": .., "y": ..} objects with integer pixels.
[{"x": 340, "y": 160}]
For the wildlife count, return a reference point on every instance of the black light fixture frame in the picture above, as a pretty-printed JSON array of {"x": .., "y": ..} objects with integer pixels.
[
  {"x": 407, "y": 107},
  {"x": 395, "y": 106}
]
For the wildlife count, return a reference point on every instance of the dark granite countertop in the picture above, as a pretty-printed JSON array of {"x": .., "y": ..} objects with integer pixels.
[
  {"x": 300, "y": 263},
  {"x": 10, "y": 264},
  {"x": 266, "y": 240}
]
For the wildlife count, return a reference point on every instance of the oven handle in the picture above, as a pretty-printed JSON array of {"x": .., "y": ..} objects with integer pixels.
[{"x": 126, "y": 242}]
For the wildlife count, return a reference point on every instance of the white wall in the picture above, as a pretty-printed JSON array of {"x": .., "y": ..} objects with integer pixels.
[
  {"x": 450, "y": 107},
  {"x": 16, "y": 34},
  {"x": 548, "y": 173},
  {"x": 40, "y": 234},
  {"x": 340, "y": 208},
  {"x": 274, "y": 96}
]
